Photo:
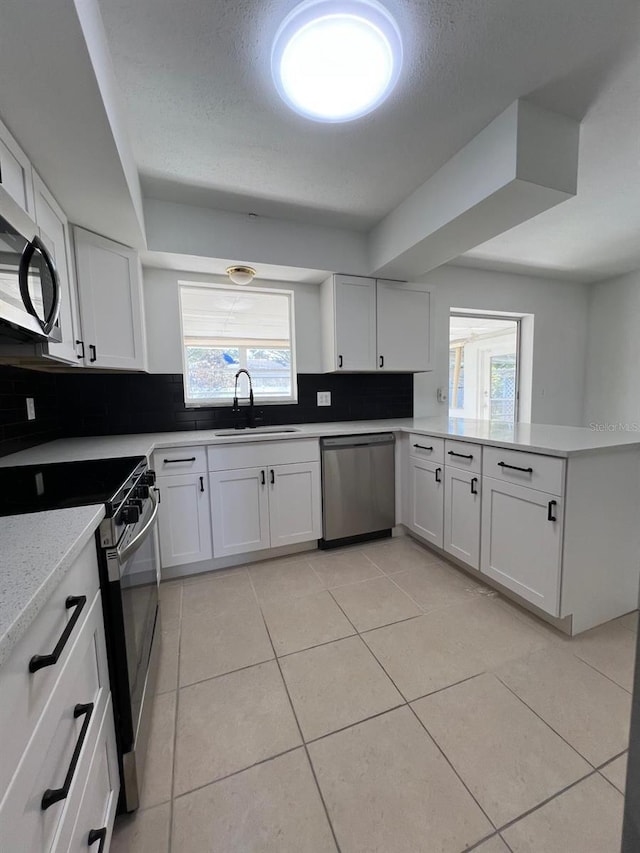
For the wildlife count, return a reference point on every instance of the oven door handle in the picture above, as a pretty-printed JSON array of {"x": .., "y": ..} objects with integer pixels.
[{"x": 138, "y": 540}]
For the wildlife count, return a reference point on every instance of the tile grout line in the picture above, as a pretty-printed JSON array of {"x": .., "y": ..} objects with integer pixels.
[
  {"x": 603, "y": 674},
  {"x": 295, "y": 717},
  {"x": 408, "y": 705},
  {"x": 615, "y": 787},
  {"x": 175, "y": 723},
  {"x": 542, "y": 720}
]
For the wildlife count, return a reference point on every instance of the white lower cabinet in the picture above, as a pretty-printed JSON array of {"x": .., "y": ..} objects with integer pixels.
[
  {"x": 295, "y": 514},
  {"x": 426, "y": 500},
  {"x": 184, "y": 519},
  {"x": 462, "y": 515},
  {"x": 270, "y": 506},
  {"x": 522, "y": 541},
  {"x": 239, "y": 511}
]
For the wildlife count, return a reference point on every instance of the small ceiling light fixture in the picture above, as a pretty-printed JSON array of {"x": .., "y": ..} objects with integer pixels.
[
  {"x": 240, "y": 274},
  {"x": 336, "y": 60}
]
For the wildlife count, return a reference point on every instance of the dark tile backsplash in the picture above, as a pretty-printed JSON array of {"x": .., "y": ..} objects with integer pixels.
[{"x": 74, "y": 404}]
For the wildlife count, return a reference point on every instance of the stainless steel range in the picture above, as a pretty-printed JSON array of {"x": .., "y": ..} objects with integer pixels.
[{"x": 129, "y": 575}]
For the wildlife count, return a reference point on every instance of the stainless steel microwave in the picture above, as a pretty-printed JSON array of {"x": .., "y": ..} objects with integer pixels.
[{"x": 29, "y": 283}]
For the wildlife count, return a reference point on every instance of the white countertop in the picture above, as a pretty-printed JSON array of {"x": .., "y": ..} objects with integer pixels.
[
  {"x": 37, "y": 550},
  {"x": 541, "y": 438}
]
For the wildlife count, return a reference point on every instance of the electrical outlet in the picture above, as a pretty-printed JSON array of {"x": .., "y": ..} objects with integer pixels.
[
  {"x": 441, "y": 395},
  {"x": 31, "y": 409},
  {"x": 324, "y": 398}
]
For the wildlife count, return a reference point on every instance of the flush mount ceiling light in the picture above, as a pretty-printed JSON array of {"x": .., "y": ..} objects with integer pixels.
[
  {"x": 336, "y": 60},
  {"x": 241, "y": 275}
]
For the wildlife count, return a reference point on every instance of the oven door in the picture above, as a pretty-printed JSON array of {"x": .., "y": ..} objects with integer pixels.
[{"x": 134, "y": 645}]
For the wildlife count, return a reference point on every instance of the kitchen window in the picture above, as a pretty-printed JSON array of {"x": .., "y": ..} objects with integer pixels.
[
  {"x": 484, "y": 367},
  {"x": 225, "y": 328}
]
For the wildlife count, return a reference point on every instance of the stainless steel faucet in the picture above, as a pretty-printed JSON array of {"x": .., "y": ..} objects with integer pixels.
[{"x": 236, "y": 408}]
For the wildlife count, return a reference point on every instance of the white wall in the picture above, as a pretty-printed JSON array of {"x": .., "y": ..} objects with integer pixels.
[
  {"x": 163, "y": 319},
  {"x": 560, "y": 310},
  {"x": 613, "y": 355}
]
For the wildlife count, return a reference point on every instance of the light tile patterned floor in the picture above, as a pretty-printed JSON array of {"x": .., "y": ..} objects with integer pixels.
[{"x": 378, "y": 700}]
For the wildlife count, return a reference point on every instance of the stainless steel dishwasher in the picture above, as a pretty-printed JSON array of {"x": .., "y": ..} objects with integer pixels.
[{"x": 358, "y": 488}]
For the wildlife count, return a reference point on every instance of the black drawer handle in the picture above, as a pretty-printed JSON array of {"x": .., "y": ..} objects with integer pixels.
[
  {"x": 80, "y": 344},
  {"x": 516, "y": 468},
  {"x": 474, "y": 480},
  {"x": 423, "y": 447},
  {"x": 54, "y": 795},
  {"x": 173, "y": 461},
  {"x": 461, "y": 455},
  {"x": 550, "y": 508},
  {"x": 437, "y": 472},
  {"x": 202, "y": 484},
  {"x": 40, "y": 661},
  {"x": 93, "y": 353},
  {"x": 97, "y": 835}
]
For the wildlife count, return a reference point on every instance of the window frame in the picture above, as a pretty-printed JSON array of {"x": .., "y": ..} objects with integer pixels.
[
  {"x": 211, "y": 402},
  {"x": 497, "y": 315}
]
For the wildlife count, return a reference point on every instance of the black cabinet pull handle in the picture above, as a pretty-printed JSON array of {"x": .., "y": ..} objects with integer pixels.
[
  {"x": 381, "y": 361},
  {"x": 516, "y": 468},
  {"x": 550, "y": 508},
  {"x": 97, "y": 835},
  {"x": 461, "y": 455},
  {"x": 93, "y": 353},
  {"x": 40, "y": 661},
  {"x": 474, "y": 480},
  {"x": 273, "y": 477},
  {"x": 438, "y": 471},
  {"x": 172, "y": 461},
  {"x": 202, "y": 484},
  {"x": 339, "y": 361},
  {"x": 423, "y": 447},
  {"x": 80, "y": 344},
  {"x": 54, "y": 795},
  {"x": 263, "y": 479}
]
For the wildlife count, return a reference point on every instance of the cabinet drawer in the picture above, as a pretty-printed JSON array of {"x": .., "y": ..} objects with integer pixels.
[
  {"x": 24, "y": 695},
  {"x": 464, "y": 455},
  {"x": 426, "y": 447},
  {"x": 66, "y": 731},
  {"x": 177, "y": 460},
  {"x": 254, "y": 455},
  {"x": 93, "y": 810},
  {"x": 545, "y": 473}
]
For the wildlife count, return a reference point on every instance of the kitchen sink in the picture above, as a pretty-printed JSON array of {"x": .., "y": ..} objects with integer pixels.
[{"x": 264, "y": 431}]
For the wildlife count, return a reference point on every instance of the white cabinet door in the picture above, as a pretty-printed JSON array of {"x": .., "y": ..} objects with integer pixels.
[
  {"x": 240, "y": 511},
  {"x": 426, "y": 501},
  {"x": 462, "y": 515},
  {"x": 294, "y": 503},
  {"x": 110, "y": 291},
  {"x": 184, "y": 519},
  {"x": 15, "y": 171},
  {"x": 403, "y": 315},
  {"x": 355, "y": 321},
  {"x": 522, "y": 541},
  {"x": 54, "y": 230}
]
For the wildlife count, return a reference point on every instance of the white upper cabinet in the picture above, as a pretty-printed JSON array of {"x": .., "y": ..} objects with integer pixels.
[
  {"x": 349, "y": 319},
  {"x": 54, "y": 231},
  {"x": 15, "y": 171},
  {"x": 370, "y": 325},
  {"x": 110, "y": 292},
  {"x": 403, "y": 326}
]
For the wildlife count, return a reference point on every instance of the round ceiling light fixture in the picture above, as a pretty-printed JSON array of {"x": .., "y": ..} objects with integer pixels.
[
  {"x": 241, "y": 274},
  {"x": 336, "y": 60}
]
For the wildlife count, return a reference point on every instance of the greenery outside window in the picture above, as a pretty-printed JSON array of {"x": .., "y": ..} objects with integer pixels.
[{"x": 225, "y": 328}]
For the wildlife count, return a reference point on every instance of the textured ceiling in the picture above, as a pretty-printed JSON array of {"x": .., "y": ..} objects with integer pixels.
[{"x": 208, "y": 128}]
